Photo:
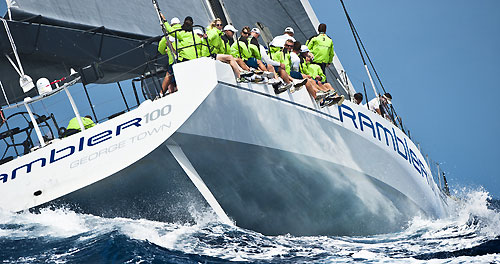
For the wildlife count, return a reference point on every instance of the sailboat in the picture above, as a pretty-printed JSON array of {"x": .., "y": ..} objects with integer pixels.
[{"x": 272, "y": 163}]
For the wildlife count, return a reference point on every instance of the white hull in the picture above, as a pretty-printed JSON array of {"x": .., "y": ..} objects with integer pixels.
[{"x": 275, "y": 164}]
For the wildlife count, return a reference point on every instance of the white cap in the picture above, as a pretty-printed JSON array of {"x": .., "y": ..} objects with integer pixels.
[
  {"x": 198, "y": 31},
  {"x": 289, "y": 29},
  {"x": 304, "y": 48},
  {"x": 175, "y": 20},
  {"x": 230, "y": 28},
  {"x": 255, "y": 30}
]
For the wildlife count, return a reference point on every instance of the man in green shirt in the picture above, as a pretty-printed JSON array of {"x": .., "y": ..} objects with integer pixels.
[
  {"x": 323, "y": 92},
  {"x": 322, "y": 47},
  {"x": 169, "y": 80},
  {"x": 74, "y": 127},
  {"x": 87, "y": 123}
]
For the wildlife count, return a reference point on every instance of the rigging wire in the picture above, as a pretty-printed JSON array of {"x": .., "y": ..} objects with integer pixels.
[
  {"x": 358, "y": 40},
  {"x": 360, "y": 46},
  {"x": 368, "y": 57},
  {"x": 20, "y": 71}
]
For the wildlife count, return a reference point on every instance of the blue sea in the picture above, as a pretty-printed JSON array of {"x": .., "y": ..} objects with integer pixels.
[{"x": 471, "y": 234}]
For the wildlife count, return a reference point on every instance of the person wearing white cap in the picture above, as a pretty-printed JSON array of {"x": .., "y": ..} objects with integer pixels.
[
  {"x": 279, "y": 41},
  {"x": 175, "y": 21},
  {"x": 255, "y": 60},
  {"x": 169, "y": 80},
  {"x": 228, "y": 38},
  {"x": 378, "y": 105},
  {"x": 189, "y": 48}
]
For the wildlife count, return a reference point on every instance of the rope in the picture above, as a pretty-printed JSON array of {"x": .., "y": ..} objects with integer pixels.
[{"x": 14, "y": 49}]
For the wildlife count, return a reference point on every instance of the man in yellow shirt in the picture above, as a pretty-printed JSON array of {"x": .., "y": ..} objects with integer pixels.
[
  {"x": 74, "y": 127},
  {"x": 321, "y": 47}
]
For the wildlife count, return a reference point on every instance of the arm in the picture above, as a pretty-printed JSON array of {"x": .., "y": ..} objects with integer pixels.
[
  {"x": 162, "y": 46},
  {"x": 320, "y": 76},
  {"x": 331, "y": 53},
  {"x": 311, "y": 43},
  {"x": 267, "y": 59},
  {"x": 234, "y": 50}
]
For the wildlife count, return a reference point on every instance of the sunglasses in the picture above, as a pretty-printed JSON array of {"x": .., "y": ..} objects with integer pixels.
[
  {"x": 246, "y": 33},
  {"x": 289, "y": 46},
  {"x": 218, "y": 25}
]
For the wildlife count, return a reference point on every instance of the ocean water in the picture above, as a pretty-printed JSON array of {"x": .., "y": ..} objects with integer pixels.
[{"x": 470, "y": 235}]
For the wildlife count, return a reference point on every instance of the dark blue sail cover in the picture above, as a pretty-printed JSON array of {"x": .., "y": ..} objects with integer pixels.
[{"x": 132, "y": 16}]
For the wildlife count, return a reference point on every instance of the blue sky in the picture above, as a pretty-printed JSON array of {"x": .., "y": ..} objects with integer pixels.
[{"x": 439, "y": 61}]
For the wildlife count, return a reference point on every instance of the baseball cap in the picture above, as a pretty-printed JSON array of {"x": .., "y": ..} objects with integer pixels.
[
  {"x": 289, "y": 29},
  {"x": 230, "y": 28},
  {"x": 175, "y": 20},
  {"x": 304, "y": 48},
  {"x": 256, "y": 30}
]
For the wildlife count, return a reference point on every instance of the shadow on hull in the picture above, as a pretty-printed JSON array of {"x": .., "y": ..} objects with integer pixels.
[{"x": 267, "y": 190}]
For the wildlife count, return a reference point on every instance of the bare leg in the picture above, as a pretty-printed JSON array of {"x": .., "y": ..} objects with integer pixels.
[
  {"x": 271, "y": 69},
  {"x": 165, "y": 84},
  {"x": 310, "y": 88},
  {"x": 284, "y": 75},
  {"x": 261, "y": 65},
  {"x": 329, "y": 87},
  {"x": 322, "y": 87},
  {"x": 172, "y": 88},
  {"x": 242, "y": 64},
  {"x": 231, "y": 61}
]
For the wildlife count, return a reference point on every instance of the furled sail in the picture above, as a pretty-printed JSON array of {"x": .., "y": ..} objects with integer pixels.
[{"x": 131, "y": 16}]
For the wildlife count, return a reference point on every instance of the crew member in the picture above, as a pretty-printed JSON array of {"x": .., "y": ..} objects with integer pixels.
[
  {"x": 380, "y": 104},
  {"x": 74, "y": 127},
  {"x": 357, "y": 98},
  {"x": 321, "y": 47}
]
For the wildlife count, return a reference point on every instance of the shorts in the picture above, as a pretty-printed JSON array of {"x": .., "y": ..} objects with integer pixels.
[
  {"x": 252, "y": 63},
  {"x": 296, "y": 75},
  {"x": 170, "y": 70}
]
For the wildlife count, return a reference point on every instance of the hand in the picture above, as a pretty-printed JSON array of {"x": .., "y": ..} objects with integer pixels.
[
  {"x": 308, "y": 77},
  {"x": 163, "y": 17},
  {"x": 318, "y": 78},
  {"x": 283, "y": 66}
]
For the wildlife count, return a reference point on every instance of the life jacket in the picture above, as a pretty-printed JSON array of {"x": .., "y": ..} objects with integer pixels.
[
  {"x": 214, "y": 39},
  {"x": 240, "y": 49},
  {"x": 188, "y": 46},
  {"x": 73, "y": 123},
  {"x": 227, "y": 42}
]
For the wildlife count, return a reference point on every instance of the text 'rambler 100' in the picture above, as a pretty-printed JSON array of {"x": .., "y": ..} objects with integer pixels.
[{"x": 59, "y": 154}]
